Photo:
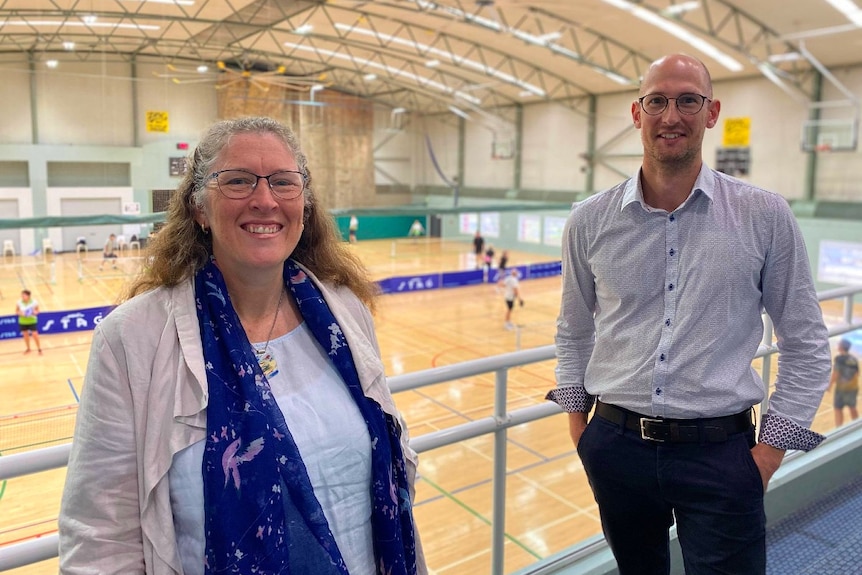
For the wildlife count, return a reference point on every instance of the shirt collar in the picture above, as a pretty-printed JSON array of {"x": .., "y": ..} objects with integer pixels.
[{"x": 633, "y": 191}]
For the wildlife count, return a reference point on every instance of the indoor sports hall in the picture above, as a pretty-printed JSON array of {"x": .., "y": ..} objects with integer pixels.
[{"x": 426, "y": 124}]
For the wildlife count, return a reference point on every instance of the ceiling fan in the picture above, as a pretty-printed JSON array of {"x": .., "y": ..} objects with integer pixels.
[
  {"x": 274, "y": 77},
  {"x": 181, "y": 75},
  {"x": 230, "y": 74}
]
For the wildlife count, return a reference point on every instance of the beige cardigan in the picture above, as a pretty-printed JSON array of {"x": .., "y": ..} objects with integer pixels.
[{"x": 144, "y": 399}]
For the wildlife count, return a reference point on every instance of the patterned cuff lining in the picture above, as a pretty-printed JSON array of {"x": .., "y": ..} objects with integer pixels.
[
  {"x": 572, "y": 399},
  {"x": 782, "y": 433}
]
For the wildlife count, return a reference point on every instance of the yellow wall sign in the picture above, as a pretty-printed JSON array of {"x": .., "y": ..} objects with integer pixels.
[
  {"x": 157, "y": 121},
  {"x": 737, "y": 133}
]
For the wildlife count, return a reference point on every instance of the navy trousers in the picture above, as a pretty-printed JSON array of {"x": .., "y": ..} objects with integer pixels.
[{"x": 712, "y": 490}]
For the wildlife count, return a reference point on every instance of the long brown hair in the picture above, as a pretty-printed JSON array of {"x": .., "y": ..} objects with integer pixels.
[{"x": 181, "y": 247}]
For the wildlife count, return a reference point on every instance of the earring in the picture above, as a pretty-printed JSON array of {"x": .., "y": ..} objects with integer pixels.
[{"x": 204, "y": 229}]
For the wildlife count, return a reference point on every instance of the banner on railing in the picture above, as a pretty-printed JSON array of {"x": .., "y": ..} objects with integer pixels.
[{"x": 53, "y": 322}]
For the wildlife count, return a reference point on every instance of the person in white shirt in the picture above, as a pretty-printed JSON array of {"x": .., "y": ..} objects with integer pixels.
[
  {"x": 416, "y": 230},
  {"x": 511, "y": 294}
]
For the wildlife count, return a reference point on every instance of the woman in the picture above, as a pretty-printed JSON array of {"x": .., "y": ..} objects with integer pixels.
[
  {"x": 27, "y": 310},
  {"x": 235, "y": 414}
]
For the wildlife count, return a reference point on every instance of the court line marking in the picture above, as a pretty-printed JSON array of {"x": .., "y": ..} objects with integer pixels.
[
  {"x": 480, "y": 517},
  {"x": 74, "y": 393}
]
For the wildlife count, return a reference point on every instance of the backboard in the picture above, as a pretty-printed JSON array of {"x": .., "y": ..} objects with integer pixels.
[{"x": 830, "y": 135}]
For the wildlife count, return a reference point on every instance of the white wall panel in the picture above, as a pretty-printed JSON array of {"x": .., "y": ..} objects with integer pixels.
[
  {"x": 16, "y": 127},
  {"x": 17, "y": 203},
  {"x": 554, "y": 137},
  {"x": 85, "y": 202},
  {"x": 85, "y": 103}
]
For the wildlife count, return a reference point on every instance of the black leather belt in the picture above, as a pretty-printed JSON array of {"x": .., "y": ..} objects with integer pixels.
[{"x": 709, "y": 430}]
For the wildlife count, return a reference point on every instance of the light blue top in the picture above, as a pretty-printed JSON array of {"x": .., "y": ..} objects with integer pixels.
[{"x": 332, "y": 438}]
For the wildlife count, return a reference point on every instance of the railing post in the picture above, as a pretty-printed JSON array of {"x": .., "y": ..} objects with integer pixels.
[
  {"x": 498, "y": 518},
  {"x": 848, "y": 309}
]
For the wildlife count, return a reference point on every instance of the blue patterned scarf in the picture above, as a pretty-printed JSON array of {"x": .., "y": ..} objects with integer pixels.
[{"x": 261, "y": 514}]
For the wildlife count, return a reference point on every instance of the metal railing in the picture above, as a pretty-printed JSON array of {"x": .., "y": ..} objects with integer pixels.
[{"x": 25, "y": 553}]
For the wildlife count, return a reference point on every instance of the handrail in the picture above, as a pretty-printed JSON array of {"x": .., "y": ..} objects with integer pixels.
[{"x": 21, "y": 554}]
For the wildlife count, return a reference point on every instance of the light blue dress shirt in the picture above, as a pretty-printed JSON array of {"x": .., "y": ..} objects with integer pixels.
[{"x": 661, "y": 312}]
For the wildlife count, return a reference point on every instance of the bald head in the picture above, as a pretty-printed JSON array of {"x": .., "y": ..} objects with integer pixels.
[{"x": 677, "y": 65}]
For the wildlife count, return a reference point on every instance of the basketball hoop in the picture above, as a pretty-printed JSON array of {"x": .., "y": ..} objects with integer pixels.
[{"x": 823, "y": 148}]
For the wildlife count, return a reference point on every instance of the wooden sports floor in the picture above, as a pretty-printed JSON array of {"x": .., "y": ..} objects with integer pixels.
[{"x": 549, "y": 505}]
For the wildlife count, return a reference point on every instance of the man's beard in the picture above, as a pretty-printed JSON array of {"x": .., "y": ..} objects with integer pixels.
[{"x": 674, "y": 160}]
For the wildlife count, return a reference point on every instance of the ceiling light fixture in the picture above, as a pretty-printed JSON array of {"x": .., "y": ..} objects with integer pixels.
[
  {"x": 73, "y": 24},
  {"x": 786, "y": 57},
  {"x": 448, "y": 56},
  {"x": 52, "y": 63},
  {"x": 203, "y": 69},
  {"x": 369, "y": 77},
  {"x": 681, "y": 8},
  {"x": 174, "y": 2},
  {"x": 678, "y": 32},
  {"x": 392, "y": 71},
  {"x": 545, "y": 40},
  {"x": 459, "y": 112},
  {"x": 849, "y": 9},
  {"x": 304, "y": 29},
  {"x": 68, "y": 46}
]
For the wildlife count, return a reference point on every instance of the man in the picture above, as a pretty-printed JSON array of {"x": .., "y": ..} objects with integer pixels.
[
  {"x": 478, "y": 248},
  {"x": 664, "y": 279},
  {"x": 845, "y": 378},
  {"x": 108, "y": 252}
]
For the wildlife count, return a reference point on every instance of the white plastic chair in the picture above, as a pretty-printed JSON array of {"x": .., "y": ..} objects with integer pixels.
[
  {"x": 47, "y": 246},
  {"x": 8, "y": 248},
  {"x": 122, "y": 244}
]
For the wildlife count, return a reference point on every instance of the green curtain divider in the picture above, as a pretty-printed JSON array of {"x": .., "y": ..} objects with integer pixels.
[{"x": 59, "y": 221}]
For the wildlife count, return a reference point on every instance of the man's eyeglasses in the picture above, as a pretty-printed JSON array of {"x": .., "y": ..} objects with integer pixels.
[
  {"x": 239, "y": 184},
  {"x": 655, "y": 104}
]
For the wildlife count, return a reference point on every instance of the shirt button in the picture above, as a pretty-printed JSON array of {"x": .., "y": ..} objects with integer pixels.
[
  {"x": 661, "y": 357},
  {"x": 672, "y": 218},
  {"x": 667, "y": 322},
  {"x": 672, "y": 251},
  {"x": 658, "y": 391},
  {"x": 670, "y": 287}
]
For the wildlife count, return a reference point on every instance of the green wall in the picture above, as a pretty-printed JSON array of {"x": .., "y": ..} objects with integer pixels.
[{"x": 379, "y": 227}]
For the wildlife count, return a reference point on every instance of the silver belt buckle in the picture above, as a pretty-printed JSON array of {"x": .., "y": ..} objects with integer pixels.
[{"x": 645, "y": 420}]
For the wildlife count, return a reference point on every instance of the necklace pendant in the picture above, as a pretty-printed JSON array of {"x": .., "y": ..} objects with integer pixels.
[{"x": 267, "y": 362}]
